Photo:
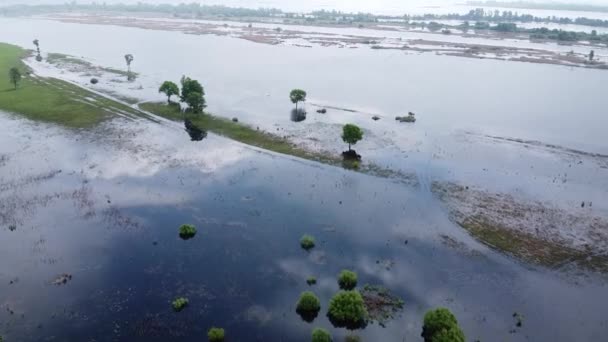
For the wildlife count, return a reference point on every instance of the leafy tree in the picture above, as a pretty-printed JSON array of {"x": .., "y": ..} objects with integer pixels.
[
  {"x": 193, "y": 94},
  {"x": 169, "y": 88},
  {"x": 351, "y": 134},
  {"x": 15, "y": 77},
  {"x": 129, "y": 60},
  {"x": 321, "y": 335},
  {"x": 297, "y": 95},
  {"x": 440, "y": 325},
  {"x": 195, "y": 101}
]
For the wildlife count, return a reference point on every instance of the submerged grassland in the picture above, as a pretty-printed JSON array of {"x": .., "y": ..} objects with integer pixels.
[{"x": 49, "y": 99}]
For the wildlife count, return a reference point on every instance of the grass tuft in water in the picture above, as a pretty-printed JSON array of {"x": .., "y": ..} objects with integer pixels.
[
  {"x": 187, "y": 231},
  {"x": 347, "y": 280},
  {"x": 308, "y": 306},
  {"x": 307, "y": 242},
  {"x": 216, "y": 334},
  {"x": 321, "y": 335},
  {"x": 179, "y": 304}
]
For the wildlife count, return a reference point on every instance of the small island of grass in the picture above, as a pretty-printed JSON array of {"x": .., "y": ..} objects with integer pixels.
[
  {"x": 216, "y": 334},
  {"x": 311, "y": 281},
  {"x": 347, "y": 310},
  {"x": 179, "y": 304},
  {"x": 50, "y": 99},
  {"x": 187, "y": 231},
  {"x": 347, "y": 280},
  {"x": 307, "y": 242},
  {"x": 321, "y": 335},
  {"x": 441, "y": 325},
  {"x": 308, "y": 306}
]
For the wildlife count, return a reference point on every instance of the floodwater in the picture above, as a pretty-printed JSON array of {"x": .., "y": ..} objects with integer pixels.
[
  {"x": 458, "y": 102},
  {"x": 104, "y": 207}
]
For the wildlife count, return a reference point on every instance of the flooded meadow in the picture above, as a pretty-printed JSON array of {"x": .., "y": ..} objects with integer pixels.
[{"x": 89, "y": 218}]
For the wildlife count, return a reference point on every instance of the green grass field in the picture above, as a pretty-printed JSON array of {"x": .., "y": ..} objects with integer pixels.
[{"x": 49, "y": 99}]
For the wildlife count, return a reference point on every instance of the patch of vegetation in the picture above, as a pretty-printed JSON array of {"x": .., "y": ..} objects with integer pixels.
[
  {"x": 238, "y": 131},
  {"x": 268, "y": 141},
  {"x": 52, "y": 100},
  {"x": 351, "y": 134},
  {"x": 352, "y": 338},
  {"x": 216, "y": 334},
  {"x": 381, "y": 304},
  {"x": 409, "y": 118},
  {"x": 311, "y": 281},
  {"x": 187, "y": 231},
  {"x": 347, "y": 280},
  {"x": 440, "y": 325},
  {"x": 321, "y": 335},
  {"x": 78, "y": 64},
  {"x": 308, "y": 306},
  {"x": 347, "y": 310},
  {"x": 179, "y": 304},
  {"x": 307, "y": 242},
  {"x": 530, "y": 248}
]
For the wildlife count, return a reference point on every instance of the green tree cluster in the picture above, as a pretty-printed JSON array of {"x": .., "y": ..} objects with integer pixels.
[{"x": 193, "y": 94}]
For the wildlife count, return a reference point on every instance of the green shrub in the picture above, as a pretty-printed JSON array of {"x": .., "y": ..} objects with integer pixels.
[
  {"x": 215, "y": 334},
  {"x": 311, "y": 281},
  {"x": 180, "y": 303},
  {"x": 440, "y": 325},
  {"x": 187, "y": 231},
  {"x": 307, "y": 242},
  {"x": 347, "y": 309},
  {"x": 308, "y": 306},
  {"x": 347, "y": 280},
  {"x": 321, "y": 335}
]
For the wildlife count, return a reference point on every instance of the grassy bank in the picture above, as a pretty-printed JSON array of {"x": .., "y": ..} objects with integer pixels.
[
  {"x": 239, "y": 132},
  {"x": 531, "y": 249},
  {"x": 49, "y": 99},
  {"x": 268, "y": 141}
]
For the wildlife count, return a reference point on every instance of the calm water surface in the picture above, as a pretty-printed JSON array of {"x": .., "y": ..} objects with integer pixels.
[{"x": 110, "y": 219}]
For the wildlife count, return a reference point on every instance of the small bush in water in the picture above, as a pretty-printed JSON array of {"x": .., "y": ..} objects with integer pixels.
[
  {"x": 347, "y": 280},
  {"x": 441, "y": 325},
  {"x": 347, "y": 309},
  {"x": 311, "y": 281},
  {"x": 321, "y": 335},
  {"x": 179, "y": 304},
  {"x": 307, "y": 242},
  {"x": 215, "y": 334},
  {"x": 187, "y": 231},
  {"x": 308, "y": 306}
]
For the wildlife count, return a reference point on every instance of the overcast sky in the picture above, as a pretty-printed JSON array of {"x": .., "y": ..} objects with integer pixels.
[{"x": 378, "y": 6}]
